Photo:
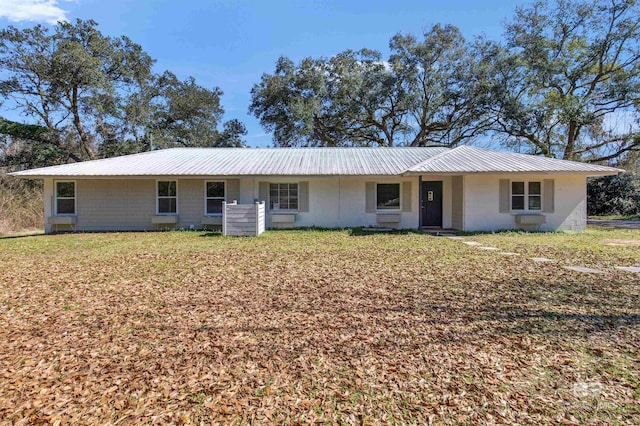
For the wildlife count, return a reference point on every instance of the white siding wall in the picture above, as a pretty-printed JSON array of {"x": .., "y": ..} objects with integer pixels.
[
  {"x": 190, "y": 203},
  {"x": 340, "y": 202},
  {"x": 352, "y": 203},
  {"x": 129, "y": 204},
  {"x": 481, "y": 203}
]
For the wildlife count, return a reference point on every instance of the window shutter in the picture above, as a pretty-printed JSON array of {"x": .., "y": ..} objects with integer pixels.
[
  {"x": 548, "y": 191},
  {"x": 303, "y": 196},
  {"x": 504, "y": 196},
  {"x": 370, "y": 197},
  {"x": 263, "y": 192},
  {"x": 232, "y": 190},
  {"x": 406, "y": 196}
]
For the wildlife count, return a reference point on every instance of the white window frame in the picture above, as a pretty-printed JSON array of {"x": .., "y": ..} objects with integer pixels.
[
  {"x": 224, "y": 197},
  {"x": 526, "y": 196},
  {"x": 280, "y": 209},
  {"x": 75, "y": 197},
  {"x": 158, "y": 197},
  {"x": 399, "y": 208}
]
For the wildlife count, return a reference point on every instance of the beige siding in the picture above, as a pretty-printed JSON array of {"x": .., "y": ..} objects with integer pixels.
[
  {"x": 129, "y": 204},
  {"x": 247, "y": 192},
  {"x": 48, "y": 203},
  {"x": 457, "y": 220},
  {"x": 232, "y": 188},
  {"x": 190, "y": 203},
  {"x": 115, "y": 204},
  {"x": 470, "y": 202}
]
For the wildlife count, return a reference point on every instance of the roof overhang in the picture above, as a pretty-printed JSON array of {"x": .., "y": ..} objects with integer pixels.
[
  {"x": 528, "y": 172},
  {"x": 228, "y": 163},
  {"x": 316, "y": 176}
]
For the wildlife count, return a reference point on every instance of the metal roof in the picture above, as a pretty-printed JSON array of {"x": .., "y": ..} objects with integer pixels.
[
  {"x": 248, "y": 162},
  {"x": 312, "y": 162},
  {"x": 469, "y": 159}
]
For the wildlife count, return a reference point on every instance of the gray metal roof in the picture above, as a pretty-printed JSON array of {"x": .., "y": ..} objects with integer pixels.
[
  {"x": 248, "y": 162},
  {"x": 312, "y": 162},
  {"x": 469, "y": 159}
]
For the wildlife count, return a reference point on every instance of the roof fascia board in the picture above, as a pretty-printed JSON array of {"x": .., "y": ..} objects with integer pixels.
[
  {"x": 204, "y": 176},
  {"x": 530, "y": 172}
]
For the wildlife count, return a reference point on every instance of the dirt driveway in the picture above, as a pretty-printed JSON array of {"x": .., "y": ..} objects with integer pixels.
[{"x": 626, "y": 224}]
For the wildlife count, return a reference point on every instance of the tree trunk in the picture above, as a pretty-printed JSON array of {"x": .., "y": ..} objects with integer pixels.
[
  {"x": 572, "y": 135},
  {"x": 85, "y": 143}
]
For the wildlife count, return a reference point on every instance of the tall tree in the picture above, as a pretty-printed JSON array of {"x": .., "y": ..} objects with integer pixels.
[
  {"x": 446, "y": 84},
  {"x": 28, "y": 145},
  {"x": 184, "y": 113},
  {"x": 167, "y": 112},
  {"x": 232, "y": 133},
  {"x": 350, "y": 99},
  {"x": 568, "y": 82},
  {"x": 429, "y": 92},
  {"x": 71, "y": 79},
  {"x": 89, "y": 89}
]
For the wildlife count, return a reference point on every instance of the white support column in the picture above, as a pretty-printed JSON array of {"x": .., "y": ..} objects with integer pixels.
[
  {"x": 257, "y": 207},
  {"x": 224, "y": 218}
]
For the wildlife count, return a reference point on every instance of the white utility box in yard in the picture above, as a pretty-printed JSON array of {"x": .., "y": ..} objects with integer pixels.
[{"x": 243, "y": 219}]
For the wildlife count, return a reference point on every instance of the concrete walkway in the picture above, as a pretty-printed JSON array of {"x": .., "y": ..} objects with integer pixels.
[
  {"x": 574, "y": 268},
  {"x": 625, "y": 224}
]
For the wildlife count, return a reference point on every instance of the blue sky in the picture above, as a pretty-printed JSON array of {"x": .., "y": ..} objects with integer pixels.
[{"x": 230, "y": 44}]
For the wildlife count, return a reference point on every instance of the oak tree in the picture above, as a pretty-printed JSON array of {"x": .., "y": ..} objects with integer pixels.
[
  {"x": 567, "y": 85},
  {"x": 429, "y": 92},
  {"x": 98, "y": 96}
]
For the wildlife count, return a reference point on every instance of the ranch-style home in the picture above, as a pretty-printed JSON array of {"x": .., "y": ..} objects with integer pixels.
[{"x": 465, "y": 188}]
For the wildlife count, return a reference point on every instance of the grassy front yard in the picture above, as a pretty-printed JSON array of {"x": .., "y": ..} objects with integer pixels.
[{"x": 304, "y": 326}]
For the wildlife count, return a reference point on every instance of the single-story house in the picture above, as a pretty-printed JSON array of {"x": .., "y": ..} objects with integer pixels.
[{"x": 464, "y": 188}]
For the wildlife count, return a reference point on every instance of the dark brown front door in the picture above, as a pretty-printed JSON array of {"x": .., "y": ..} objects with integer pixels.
[{"x": 432, "y": 203}]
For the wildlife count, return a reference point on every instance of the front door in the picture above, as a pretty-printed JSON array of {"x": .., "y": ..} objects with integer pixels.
[{"x": 432, "y": 203}]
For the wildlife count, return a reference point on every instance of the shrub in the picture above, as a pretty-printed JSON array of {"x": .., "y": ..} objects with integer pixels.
[
  {"x": 614, "y": 195},
  {"x": 21, "y": 205}
]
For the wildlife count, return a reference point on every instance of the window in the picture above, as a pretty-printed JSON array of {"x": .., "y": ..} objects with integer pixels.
[
  {"x": 535, "y": 196},
  {"x": 214, "y": 196},
  {"x": 526, "y": 196},
  {"x": 167, "y": 197},
  {"x": 283, "y": 196},
  {"x": 65, "y": 198},
  {"x": 517, "y": 196},
  {"x": 388, "y": 196}
]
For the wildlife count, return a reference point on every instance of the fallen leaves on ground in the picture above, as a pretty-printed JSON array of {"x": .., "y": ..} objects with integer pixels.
[{"x": 310, "y": 327}]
